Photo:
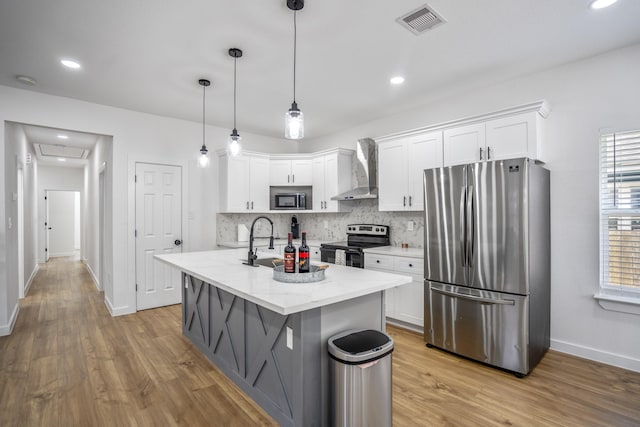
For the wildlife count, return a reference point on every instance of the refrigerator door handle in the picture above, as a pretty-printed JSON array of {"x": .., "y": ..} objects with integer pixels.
[
  {"x": 463, "y": 226},
  {"x": 471, "y": 229},
  {"x": 474, "y": 298}
]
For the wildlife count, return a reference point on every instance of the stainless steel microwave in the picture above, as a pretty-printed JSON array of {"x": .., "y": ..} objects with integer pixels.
[{"x": 290, "y": 201}]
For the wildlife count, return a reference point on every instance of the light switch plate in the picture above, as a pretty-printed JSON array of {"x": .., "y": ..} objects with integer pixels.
[
  {"x": 290, "y": 338},
  {"x": 410, "y": 226},
  {"x": 326, "y": 224}
]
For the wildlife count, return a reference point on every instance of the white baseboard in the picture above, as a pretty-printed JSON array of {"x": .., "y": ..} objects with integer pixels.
[
  {"x": 59, "y": 254},
  {"x": 93, "y": 275},
  {"x": 117, "y": 311},
  {"x": 8, "y": 328},
  {"x": 596, "y": 355},
  {"x": 30, "y": 281}
]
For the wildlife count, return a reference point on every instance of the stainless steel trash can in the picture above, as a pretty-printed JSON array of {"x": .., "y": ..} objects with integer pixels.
[{"x": 360, "y": 375}]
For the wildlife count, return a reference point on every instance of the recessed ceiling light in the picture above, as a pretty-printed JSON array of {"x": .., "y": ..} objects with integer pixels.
[
  {"x": 601, "y": 4},
  {"x": 63, "y": 137},
  {"x": 70, "y": 63},
  {"x": 60, "y": 159},
  {"x": 26, "y": 80},
  {"x": 397, "y": 80}
]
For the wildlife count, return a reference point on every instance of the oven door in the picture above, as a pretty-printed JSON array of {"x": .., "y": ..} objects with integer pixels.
[
  {"x": 327, "y": 255},
  {"x": 354, "y": 258}
]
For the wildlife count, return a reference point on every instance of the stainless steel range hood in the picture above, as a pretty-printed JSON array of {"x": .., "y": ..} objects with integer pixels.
[{"x": 366, "y": 173}]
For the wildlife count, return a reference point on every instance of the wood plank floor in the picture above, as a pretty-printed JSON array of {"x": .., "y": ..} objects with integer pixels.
[{"x": 68, "y": 363}]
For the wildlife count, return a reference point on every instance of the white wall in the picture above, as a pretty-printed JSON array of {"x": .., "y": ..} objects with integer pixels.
[
  {"x": 54, "y": 178},
  {"x": 598, "y": 92},
  {"x": 137, "y": 137},
  {"x": 12, "y": 157}
]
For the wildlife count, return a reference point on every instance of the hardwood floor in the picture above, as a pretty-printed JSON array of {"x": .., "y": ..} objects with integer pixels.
[{"x": 68, "y": 363}]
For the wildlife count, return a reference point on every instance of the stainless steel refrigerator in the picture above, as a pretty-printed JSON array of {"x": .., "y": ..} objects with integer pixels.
[{"x": 487, "y": 258}]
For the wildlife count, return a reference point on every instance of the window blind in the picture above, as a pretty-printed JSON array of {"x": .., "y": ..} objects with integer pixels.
[{"x": 620, "y": 213}]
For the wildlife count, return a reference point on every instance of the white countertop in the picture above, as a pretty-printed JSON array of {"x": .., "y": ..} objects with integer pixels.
[
  {"x": 396, "y": 251},
  {"x": 225, "y": 270},
  {"x": 261, "y": 242}
]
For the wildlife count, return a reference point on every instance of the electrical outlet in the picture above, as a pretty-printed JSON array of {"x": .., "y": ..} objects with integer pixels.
[
  {"x": 410, "y": 226},
  {"x": 326, "y": 224},
  {"x": 289, "y": 338}
]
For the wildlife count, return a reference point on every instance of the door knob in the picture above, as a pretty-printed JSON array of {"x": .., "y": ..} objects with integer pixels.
[
  {"x": 49, "y": 228},
  {"x": 177, "y": 242}
]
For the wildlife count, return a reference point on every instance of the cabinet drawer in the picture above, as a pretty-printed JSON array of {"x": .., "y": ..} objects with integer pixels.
[
  {"x": 409, "y": 265},
  {"x": 379, "y": 262}
]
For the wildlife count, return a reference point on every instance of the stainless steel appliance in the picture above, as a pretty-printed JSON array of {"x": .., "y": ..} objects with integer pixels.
[
  {"x": 487, "y": 258},
  {"x": 359, "y": 237},
  {"x": 290, "y": 201}
]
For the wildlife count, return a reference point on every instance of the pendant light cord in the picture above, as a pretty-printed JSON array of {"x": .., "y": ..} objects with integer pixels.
[
  {"x": 204, "y": 88},
  {"x": 235, "y": 60},
  {"x": 295, "y": 38}
]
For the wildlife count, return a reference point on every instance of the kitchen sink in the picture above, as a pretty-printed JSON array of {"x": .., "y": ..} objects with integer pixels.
[{"x": 267, "y": 262}]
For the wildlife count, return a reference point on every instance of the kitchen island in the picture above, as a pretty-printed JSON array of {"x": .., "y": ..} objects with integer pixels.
[{"x": 270, "y": 337}]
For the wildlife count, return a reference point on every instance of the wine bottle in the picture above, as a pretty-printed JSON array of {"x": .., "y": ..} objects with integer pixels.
[
  {"x": 290, "y": 256},
  {"x": 303, "y": 255}
]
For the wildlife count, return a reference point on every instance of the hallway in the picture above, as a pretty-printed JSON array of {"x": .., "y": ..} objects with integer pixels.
[{"x": 69, "y": 363}]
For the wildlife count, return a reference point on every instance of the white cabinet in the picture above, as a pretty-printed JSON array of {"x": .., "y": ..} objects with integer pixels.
[
  {"x": 331, "y": 176},
  {"x": 404, "y": 303},
  {"x": 401, "y": 163},
  {"x": 507, "y": 137},
  {"x": 244, "y": 183},
  {"x": 284, "y": 172}
]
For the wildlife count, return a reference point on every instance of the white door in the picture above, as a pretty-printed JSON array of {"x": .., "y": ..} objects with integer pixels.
[
  {"x": 20, "y": 223},
  {"x": 158, "y": 231},
  {"x": 61, "y": 221}
]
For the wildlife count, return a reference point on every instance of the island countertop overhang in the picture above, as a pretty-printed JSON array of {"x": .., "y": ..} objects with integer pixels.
[{"x": 224, "y": 269}]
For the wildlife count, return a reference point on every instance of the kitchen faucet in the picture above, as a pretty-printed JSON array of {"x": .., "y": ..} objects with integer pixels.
[{"x": 253, "y": 256}]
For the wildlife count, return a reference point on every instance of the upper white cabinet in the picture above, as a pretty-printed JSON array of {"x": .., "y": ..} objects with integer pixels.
[
  {"x": 518, "y": 135},
  {"x": 464, "y": 144},
  {"x": 331, "y": 176},
  {"x": 401, "y": 163},
  {"x": 244, "y": 183},
  {"x": 290, "y": 172}
]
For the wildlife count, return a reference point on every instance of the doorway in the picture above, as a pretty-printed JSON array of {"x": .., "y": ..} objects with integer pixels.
[
  {"x": 20, "y": 219},
  {"x": 62, "y": 233}
]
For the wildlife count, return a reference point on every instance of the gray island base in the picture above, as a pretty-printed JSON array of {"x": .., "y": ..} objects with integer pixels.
[{"x": 279, "y": 360}]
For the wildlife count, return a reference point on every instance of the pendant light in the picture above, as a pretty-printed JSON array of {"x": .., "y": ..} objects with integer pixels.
[
  {"x": 203, "y": 161},
  {"x": 294, "y": 119},
  {"x": 234, "y": 138}
]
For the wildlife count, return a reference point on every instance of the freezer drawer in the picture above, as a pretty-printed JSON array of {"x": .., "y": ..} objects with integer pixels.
[{"x": 489, "y": 327}]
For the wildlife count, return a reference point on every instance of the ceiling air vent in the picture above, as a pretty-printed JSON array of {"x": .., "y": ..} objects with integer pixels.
[{"x": 421, "y": 20}]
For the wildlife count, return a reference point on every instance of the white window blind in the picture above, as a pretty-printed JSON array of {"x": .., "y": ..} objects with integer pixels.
[{"x": 620, "y": 214}]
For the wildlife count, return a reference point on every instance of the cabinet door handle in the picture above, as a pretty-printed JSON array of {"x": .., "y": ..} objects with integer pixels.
[
  {"x": 404, "y": 200},
  {"x": 247, "y": 205},
  {"x": 409, "y": 200},
  {"x": 288, "y": 179},
  {"x": 410, "y": 265},
  {"x": 480, "y": 153},
  {"x": 252, "y": 205},
  {"x": 378, "y": 261},
  {"x": 293, "y": 179},
  {"x": 325, "y": 204},
  {"x": 488, "y": 153}
]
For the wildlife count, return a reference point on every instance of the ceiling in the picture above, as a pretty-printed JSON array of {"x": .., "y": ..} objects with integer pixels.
[
  {"x": 51, "y": 149},
  {"x": 146, "y": 57}
]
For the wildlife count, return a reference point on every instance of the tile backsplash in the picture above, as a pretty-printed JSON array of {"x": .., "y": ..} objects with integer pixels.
[{"x": 363, "y": 212}]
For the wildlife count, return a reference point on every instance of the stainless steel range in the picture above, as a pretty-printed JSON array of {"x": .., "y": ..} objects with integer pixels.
[{"x": 359, "y": 237}]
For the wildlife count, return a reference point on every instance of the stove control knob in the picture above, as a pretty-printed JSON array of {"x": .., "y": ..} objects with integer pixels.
[{"x": 377, "y": 229}]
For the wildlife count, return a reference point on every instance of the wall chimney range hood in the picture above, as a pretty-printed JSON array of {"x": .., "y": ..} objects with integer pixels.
[{"x": 366, "y": 173}]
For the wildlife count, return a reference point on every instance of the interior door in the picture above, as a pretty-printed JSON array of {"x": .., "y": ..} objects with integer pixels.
[
  {"x": 158, "y": 231},
  {"x": 497, "y": 249},
  {"x": 445, "y": 198},
  {"x": 60, "y": 223}
]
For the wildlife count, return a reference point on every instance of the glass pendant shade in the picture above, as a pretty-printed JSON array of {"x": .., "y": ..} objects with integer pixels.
[
  {"x": 234, "y": 143},
  {"x": 294, "y": 123},
  {"x": 203, "y": 160}
]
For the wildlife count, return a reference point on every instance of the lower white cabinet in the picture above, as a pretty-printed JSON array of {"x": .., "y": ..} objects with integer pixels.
[
  {"x": 406, "y": 302},
  {"x": 314, "y": 253}
]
